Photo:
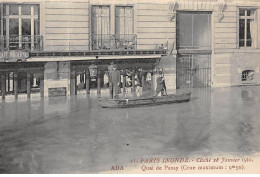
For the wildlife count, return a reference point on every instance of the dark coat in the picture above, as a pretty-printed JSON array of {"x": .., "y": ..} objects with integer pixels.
[
  {"x": 115, "y": 77},
  {"x": 160, "y": 84}
]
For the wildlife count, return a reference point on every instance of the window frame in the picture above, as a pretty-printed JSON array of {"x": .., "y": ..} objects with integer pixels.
[
  {"x": 32, "y": 17},
  {"x": 112, "y": 20},
  {"x": 209, "y": 33},
  {"x": 91, "y": 25},
  {"x": 245, "y": 17},
  {"x": 133, "y": 18}
]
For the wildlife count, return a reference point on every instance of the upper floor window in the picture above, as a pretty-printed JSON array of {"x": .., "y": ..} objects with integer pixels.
[
  {"x": 20, "y": 26},
  {"x": 247, "y": 27},
  {"x": 122, "y": 37},
  {"x": 124, "y": 27},
  {"x": 124, "y": 20},
  {"x": 100, "y": 27},
  {"x": 194, "y": 30}
]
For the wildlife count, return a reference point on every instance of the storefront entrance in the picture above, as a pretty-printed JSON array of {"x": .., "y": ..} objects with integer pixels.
[
  {"x": 136, "y": 75},
  {"x": 21, "y": 78}
]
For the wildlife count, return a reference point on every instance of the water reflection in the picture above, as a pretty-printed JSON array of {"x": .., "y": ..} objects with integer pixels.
[{"x": 75, "y": 135}]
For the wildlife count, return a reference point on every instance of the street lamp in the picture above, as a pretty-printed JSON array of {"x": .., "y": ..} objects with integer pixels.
[{"x": 92, "y": 70}]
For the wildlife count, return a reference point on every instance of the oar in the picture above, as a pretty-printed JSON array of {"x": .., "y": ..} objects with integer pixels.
[{"x": 164, "y": 81}]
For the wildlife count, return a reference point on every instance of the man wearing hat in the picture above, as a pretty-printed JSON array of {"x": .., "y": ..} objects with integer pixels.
[
  {"x": 114, "y": 78},
  {"x": 160, "y": 84}
]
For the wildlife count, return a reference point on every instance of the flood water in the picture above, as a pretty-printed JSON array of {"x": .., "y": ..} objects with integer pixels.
[{"x": 75, "y": 135}]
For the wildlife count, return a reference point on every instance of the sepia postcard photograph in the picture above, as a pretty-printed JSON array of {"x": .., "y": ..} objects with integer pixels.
[{"x": 129, "y": 87}]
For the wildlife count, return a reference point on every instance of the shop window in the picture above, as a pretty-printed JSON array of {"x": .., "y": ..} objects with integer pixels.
[
  {"x": 247, "y": 28},
  {"x": 248, "y": 75},
  {"x": 193, "y": 30}
]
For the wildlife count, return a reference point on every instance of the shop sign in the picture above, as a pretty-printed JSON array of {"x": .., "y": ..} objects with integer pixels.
[
  {"x": 57, "y": 91},
  {"x": 13, "y": 55}
]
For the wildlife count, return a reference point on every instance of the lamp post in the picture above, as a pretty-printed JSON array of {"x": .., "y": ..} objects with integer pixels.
[{"x": 92, "y": 72}]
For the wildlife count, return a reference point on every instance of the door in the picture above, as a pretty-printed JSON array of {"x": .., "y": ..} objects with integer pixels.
[
  {"x": 194, "y": 49},
  {"x": 193, "y": 70}
]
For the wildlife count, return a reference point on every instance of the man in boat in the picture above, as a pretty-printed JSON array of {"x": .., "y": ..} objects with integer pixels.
[
  {"x": 114, "y": 81},
  {"x": 161, "y": 87},
  {"x": 110, "y": 67}
]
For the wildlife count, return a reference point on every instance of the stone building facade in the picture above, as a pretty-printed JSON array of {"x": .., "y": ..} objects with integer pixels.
[{"x": 49, "y": 45}]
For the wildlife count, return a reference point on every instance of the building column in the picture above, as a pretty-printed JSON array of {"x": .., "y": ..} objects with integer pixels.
[
  {"x": 153, "y": 79},
  {"x": 15, "y": 85},
  {"x": 3, "y": 81},
  {"x": 98, "y": 82},
  {"x": 142, "y": 80},
  {"x": 8, "y": 82},
  {"x": 110, "y": 87},
  {"x": 87, "y": 80},
  {"x": 76, "y": 82},
  {"x": 42, "y": 84},
  {"x": 72, "y": 81},
  {"x": 124, "y": 80},
  {"x": 28, "y": 85},
  {"x": 133, "y": 80},
  {"x": 34, "y": 80},
  {"x": 11, "y": 80}
]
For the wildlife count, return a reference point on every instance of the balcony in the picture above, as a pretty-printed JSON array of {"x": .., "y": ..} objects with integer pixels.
[
  {"x": 24, "y": 42},
  {"x": 113, "y": 42}
]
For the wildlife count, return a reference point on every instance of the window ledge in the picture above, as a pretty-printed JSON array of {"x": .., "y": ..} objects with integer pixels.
[
  {"x": 247, "y": 50},
  {"x": 248, "y": 83}
]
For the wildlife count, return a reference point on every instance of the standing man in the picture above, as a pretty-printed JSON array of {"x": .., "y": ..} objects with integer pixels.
[
  {"x": 160, "y": 84},
  {"x": 114, "y": 78}
]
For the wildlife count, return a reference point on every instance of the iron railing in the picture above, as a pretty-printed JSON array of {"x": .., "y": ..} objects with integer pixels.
[
  {"x": 107, "y": 42},
  {"x": 24, "y": 42}
]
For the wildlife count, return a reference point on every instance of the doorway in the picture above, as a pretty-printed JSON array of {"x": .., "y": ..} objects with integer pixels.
[{"x": 193, "y": 64}]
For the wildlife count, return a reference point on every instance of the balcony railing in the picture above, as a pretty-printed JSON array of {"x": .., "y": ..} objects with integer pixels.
[
  {"x": 24, "y": 42},
  {"x": 107, "y": 42}
]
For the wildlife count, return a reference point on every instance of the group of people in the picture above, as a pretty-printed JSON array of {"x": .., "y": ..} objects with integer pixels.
[{"x": 115, "y": 82}]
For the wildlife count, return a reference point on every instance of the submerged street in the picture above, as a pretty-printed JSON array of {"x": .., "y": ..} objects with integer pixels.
[{"x": 75, "y": 135}]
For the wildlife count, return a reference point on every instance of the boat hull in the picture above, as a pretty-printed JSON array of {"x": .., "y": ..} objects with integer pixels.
[{"x": 149, "y": 101}]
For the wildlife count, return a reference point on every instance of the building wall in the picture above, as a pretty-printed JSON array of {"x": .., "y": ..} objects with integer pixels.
[
  {"x": 153, "y": 25},
  {"x": 228, "y": 59},
  {"x": 57, "y": 75},
  {"x": 66, "y": 25},
  {"x": 225, "y": 39}
]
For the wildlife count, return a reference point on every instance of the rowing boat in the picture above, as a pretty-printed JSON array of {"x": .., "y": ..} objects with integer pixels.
[{"x": 147, "y": 101}]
